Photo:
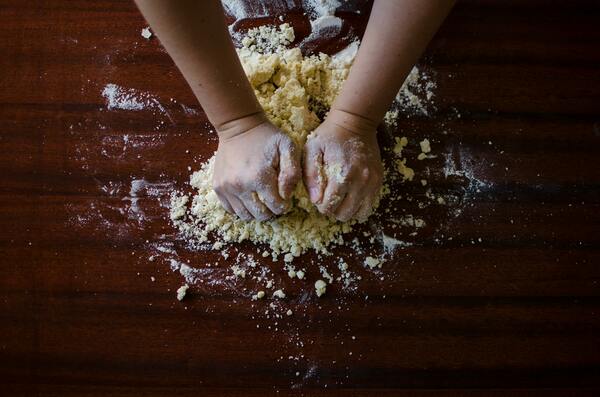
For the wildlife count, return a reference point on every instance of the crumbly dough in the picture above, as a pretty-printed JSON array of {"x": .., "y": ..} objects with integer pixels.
[{"x": 295, "y": 92}]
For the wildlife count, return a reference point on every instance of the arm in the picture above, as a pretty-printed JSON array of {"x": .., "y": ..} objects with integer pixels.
[
  {"x": 248, "y": 177},
  {"x": 396, "y": 35}
]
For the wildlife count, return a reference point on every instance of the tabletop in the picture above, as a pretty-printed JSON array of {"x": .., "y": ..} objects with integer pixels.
[{"x": 498, "y": 294}]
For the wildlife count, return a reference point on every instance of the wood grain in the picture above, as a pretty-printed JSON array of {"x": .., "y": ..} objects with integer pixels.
[{"x": 510, "y": 304}]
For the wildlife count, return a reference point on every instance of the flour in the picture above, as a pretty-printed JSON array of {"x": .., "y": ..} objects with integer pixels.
[
  {"x": 320, "y": 8},
  {"x": 414, "y": 97},
  {"x": 325, "y": 26},
  {"x": 390, "y": 243},
  {"x": 345, "y": 57},
  {"x": 241, "y": 9},
  {"x": 119, "y": 98}
]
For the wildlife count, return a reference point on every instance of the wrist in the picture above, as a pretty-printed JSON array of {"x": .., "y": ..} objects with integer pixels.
[
  {"x": 240, "y": 125},
  {"x": 352, "y": 122}
]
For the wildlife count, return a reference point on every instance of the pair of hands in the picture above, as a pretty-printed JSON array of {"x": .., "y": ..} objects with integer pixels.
[{"x": 256, "y": 171}]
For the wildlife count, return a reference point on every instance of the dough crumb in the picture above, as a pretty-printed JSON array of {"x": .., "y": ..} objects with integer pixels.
[
  {"x": 181, "y": 291},
  {"x": 372, "y": 263},
  {"x": 425, "y": 146},
  {"x": 320, "y": 287},
  {"x": 146, "y": 33},
  {"x": 279, "y": 294}
]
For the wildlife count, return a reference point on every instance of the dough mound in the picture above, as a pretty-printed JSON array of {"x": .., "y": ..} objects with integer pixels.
[{"x": 295, "y": 92}]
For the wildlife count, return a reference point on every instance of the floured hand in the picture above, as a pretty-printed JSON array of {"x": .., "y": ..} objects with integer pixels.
[
  {"x": 343, "y": 172},
  {"x": 256, "y": 172}
]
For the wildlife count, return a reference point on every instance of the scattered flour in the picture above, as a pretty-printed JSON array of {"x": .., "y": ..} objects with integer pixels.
[
  {"x": 390, "y": 243},
  {"x": 324, "y": 27},
  {"x": 121, "y": 98},
  {"x": 241, "y": 9},
  {"x": 414, "y": 97},
  {"x": 321, "y": 8}
]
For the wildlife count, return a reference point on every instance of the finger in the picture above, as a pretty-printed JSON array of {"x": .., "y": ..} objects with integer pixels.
[
  {"x": 269, "y": 195},
  {"x": 313, "y": 172},
  {"x": 334, "y": 194},
  {"x": 289, "y": 168},
  {"x": 350, "y": 205},
  {"x": 256, "y": 207},
  {"x": 225, "y": 202},
  {"x": 239, "y": 208},
  {"x": 366, "y": 207}
]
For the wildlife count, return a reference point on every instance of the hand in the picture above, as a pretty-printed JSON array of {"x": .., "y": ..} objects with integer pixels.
[
  {"x": 256, "y": 172},
  {"x": 343, "y": 172}
]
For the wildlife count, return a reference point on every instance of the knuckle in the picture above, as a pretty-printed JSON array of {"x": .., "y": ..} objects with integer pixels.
[
  {"x": 343, "y": 217},
  {"x": 218, "y": 188},
  {"x": 236, "y": 184},
  {"x": 365, "y": 174}
]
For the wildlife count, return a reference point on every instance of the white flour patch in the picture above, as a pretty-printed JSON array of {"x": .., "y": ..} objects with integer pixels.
[
  {"x": 390, "y": 244},
  {"x": 346, "y": 56},
  {"x": 320, "y": 8},
  {"x": 119, "y": 98},
  {"x": 141, "y": 188},
  {"x": 124, "y": 99},
  {"x": 462, "y": 166},
  {"x": 323, "y": 27},
  {"x": 242, "y": 9},
  {"x": 415, "y": 97}
]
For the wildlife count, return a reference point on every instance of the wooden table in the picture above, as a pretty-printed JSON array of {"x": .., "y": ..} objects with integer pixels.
[{"x": 498, "y": 294}]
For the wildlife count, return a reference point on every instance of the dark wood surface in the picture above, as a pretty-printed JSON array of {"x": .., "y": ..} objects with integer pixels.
[{"x": 509, "y": 304}]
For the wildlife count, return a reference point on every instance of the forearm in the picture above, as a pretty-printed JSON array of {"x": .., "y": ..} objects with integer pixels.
[
  {"x": 195, "y": 35},
  {"x": 396, "y": 35}
]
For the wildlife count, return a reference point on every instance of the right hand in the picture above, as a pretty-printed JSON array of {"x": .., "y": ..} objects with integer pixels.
[
  {"x": 343, "y": 172},
  {"x": 256, "y": 172}
]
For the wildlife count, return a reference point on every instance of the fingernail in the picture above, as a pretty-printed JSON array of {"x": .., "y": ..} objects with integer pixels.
[{"x": 313, "y": 192}]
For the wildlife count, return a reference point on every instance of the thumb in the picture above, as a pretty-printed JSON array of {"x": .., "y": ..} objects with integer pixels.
[
  {"x": 289, "y": 168},
  {"x": 313, "y": 166}
]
